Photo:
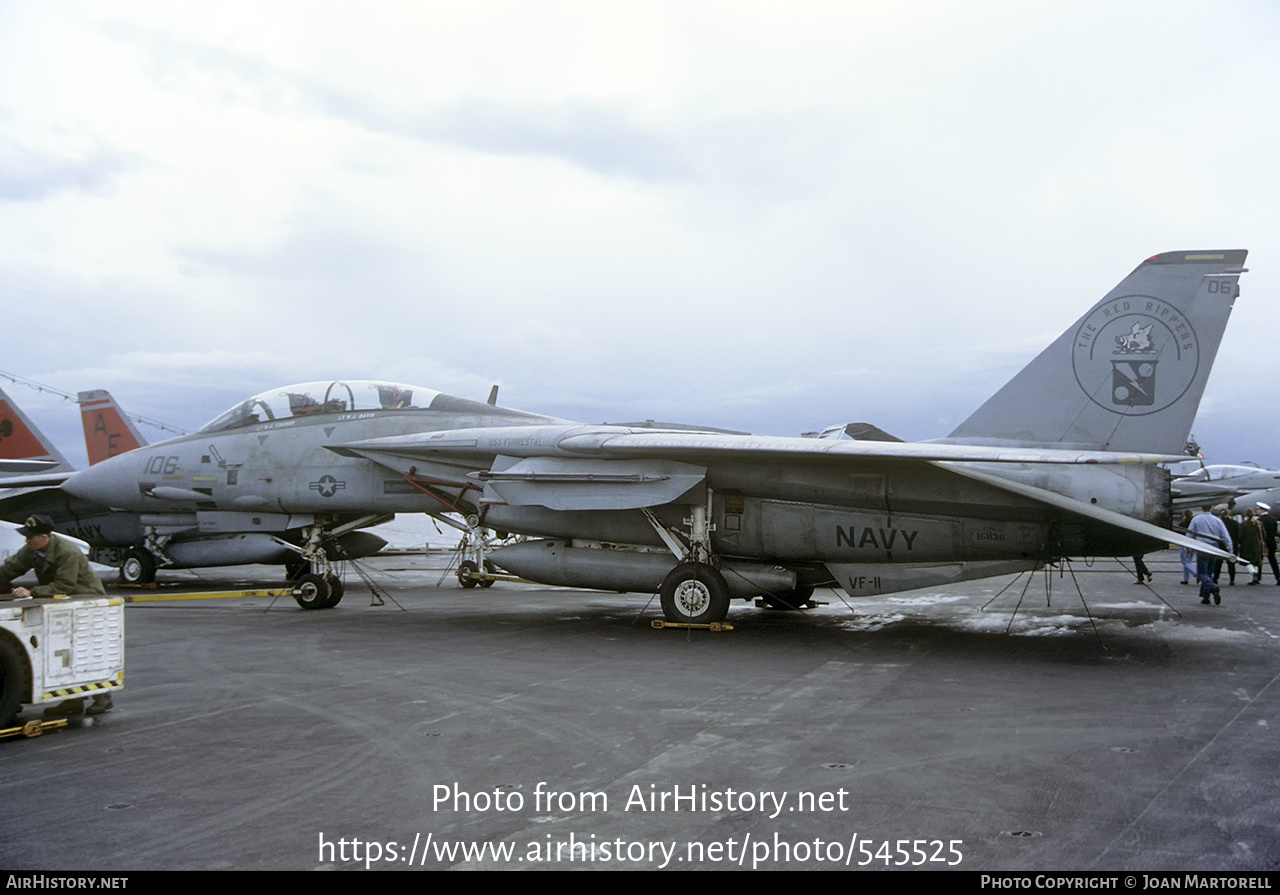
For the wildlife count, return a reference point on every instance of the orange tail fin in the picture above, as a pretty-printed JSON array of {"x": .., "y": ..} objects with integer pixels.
[
  {"x": 107, "y": 431},
  {"x": 21, "y": 440}
]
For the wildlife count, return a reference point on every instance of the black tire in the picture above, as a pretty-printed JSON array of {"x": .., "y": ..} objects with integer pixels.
[
  {"x": 467, "y": 572},
  {"x": 695, "y": 594},
  {"x": 490, "y": 569},
  {"x": 796, "y": 598},
  {"x": 139, "y": 567},
  {"x": 15, "y": 681},
  {"x": 335, "y": 591},
  {"x": 312, "y": 592}
]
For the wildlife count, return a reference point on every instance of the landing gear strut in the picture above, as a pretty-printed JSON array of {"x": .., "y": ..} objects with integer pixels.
[
  {"x": 475, "y": 570},
  {"x": 315, "y": 579},
  {"x": 694, "y": 592}
]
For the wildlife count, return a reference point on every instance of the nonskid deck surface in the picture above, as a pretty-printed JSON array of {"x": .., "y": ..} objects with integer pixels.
[{"x": 523, "y": 726}]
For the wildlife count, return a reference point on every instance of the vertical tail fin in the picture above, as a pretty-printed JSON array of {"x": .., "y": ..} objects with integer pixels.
[
  {"x": 107, "y": 431},
  {"x": 21, "y": 440},
  {"x": 1129, "y": 374}
]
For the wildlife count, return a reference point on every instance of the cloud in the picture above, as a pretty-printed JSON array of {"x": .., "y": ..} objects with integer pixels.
[
  {"x": 764, "y": 151},
  {"x": 604, "y": 137},
  {"x": 29, "y": 175},
  {"x": 607, "y": 138},
  {"x": 770, "y": 221}
]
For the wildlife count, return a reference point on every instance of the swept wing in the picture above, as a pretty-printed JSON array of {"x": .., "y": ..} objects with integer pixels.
[{"x": 595, "y": 468}]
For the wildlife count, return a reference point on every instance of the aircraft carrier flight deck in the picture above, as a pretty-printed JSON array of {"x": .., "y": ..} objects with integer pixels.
[{"x": 529, "y": 727}]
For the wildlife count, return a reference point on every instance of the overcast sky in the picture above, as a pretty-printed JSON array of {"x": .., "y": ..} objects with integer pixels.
[{"x": 764, "y": 216}]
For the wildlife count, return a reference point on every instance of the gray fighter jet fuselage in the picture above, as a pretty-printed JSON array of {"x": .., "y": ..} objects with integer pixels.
[
  {"x": 1245, "y": 487},
  {"x": 138, "y": 540},
  {"x": 1061, "y": 462}
]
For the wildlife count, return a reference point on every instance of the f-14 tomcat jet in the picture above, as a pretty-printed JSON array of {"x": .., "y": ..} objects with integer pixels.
[
  {"x": 1060, "y": 462},
  {"x": 139, "y": 542},
  {"x": 1248, "y": 486}
]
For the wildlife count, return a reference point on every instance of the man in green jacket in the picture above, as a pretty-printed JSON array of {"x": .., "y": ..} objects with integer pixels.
[
  {"x": 61, "y": 569},
  {"x": 60, "y": 566}
]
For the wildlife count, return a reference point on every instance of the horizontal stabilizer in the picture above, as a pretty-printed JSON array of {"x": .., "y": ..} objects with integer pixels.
[
  {"x": 869, "y": 579},
  {"x": 19, "y": 467},
  {"x": 51, "y": 479},
  {"x": 1091, "y": 511}
]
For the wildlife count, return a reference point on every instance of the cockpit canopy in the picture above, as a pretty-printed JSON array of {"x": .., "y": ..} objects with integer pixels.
[{"x": 315, "y": 398}]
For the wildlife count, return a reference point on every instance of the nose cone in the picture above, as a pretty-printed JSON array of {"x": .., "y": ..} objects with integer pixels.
[{"x": 112, "y": 483}]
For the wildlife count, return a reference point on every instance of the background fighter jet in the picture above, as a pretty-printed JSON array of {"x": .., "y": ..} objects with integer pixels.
[
  {"x": 21, "y": 441},
  {"x": 109, "y": 532},
  {"x": 26, "y": 452},
  {"x": 1249, "y": 486},
  {"x": 138, "y": 543},
  {"x": 1060, "y": 462}
]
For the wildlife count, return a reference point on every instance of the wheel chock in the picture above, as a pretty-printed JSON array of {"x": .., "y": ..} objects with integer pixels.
[
  {"x": 32, "y": 729},
  {"x": 714, "y": 627}
]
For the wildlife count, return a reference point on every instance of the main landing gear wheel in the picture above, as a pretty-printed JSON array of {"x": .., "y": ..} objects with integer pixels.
[
  {"x": 312, "y": 592},
  {"x": 139, "y": 567},
  {"x": 796, "y": 598},
  {"x": 468, "y": 573},
  {"x": 695, "y": 594}
]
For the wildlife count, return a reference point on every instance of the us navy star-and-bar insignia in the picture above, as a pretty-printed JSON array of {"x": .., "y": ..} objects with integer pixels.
[
  {"x": 1119, "y": 347},
  {"x": 328, "y": 486}
]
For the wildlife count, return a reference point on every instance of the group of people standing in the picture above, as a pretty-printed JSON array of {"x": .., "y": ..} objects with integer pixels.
[{"x": 1250, "y": 536}]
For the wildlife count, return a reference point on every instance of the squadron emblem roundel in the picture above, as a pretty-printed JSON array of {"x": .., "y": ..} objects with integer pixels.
[{"x": 1135, "y": 355}]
